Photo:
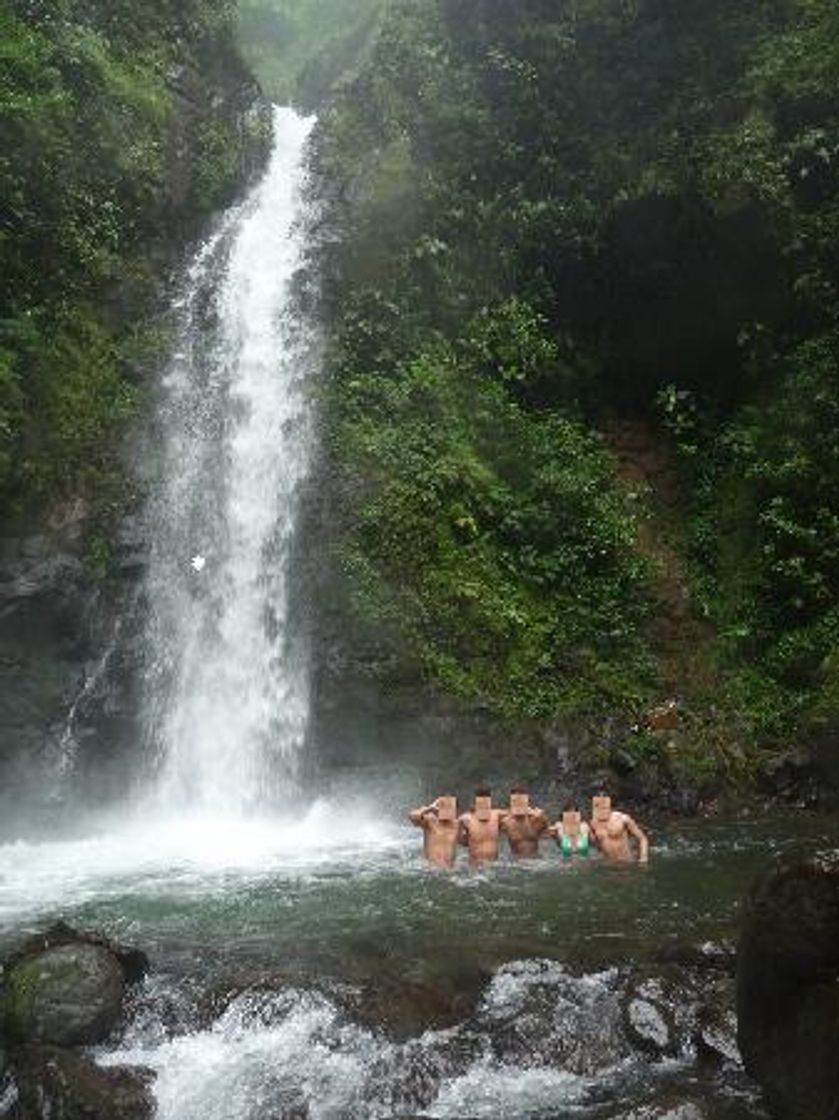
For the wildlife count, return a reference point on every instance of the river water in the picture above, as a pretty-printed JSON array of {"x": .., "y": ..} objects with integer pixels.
[
  {"x": 300, "y": 965},
  {"x": 304, "y": 963}
]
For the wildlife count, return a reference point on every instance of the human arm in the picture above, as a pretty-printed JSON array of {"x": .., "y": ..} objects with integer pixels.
[
  {"x": 539, "y": 819},
  {"x": 417, "y": 816},
  {"x": 643, "y": 843},
  {"x": 463, "y": 830}
]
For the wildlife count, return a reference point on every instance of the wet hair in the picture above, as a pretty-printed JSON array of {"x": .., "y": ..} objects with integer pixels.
[
  {"x": 483, "y": 791},
  {"x": 520, "y": 788},
  {"x": 569, "y": 807}
]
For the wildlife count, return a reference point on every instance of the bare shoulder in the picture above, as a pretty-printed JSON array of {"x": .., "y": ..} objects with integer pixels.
[{"x": 631, "y": 822}]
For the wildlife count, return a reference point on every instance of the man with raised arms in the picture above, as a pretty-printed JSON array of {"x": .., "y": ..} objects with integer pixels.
[
  {"x": 441, "y": 830},
  {"x": 612, "y": 831},
  {"x": 480, "y": 829},
  {"x": 523, "y": 824}
]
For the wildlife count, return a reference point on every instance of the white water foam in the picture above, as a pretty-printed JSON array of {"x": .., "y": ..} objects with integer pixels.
[
  {"x": 186, "y": 855},
  {"x": 297, "y": 1053}
]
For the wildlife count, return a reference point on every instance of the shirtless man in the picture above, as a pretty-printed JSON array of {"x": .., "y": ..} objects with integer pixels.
[
  {"x": 611, "y": 831},
  {"x": 441, "y": 829},
  {"x": 523, "y": 825},
  {"x": 480, "y": 829}
]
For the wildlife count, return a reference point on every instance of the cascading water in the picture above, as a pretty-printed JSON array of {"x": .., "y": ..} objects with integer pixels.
[{"x": 227, "y": 689}]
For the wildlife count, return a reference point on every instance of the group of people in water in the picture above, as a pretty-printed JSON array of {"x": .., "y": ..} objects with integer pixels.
[{"x": 524, "y": 826}]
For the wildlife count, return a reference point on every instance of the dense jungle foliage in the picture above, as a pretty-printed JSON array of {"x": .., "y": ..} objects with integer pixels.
[
  {"x": 565, "y": 215},
  {"x": 122, "y": 126}
]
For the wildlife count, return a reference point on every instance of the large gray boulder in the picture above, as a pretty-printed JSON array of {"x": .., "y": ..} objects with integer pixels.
[
  {"x": 67, "y": 996},
  {"x": 65, "y": 988},
  {"x": 788, "y": 988}
]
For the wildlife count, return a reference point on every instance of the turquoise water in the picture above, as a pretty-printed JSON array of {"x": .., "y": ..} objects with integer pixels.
[{"x": 276, "y": 890}]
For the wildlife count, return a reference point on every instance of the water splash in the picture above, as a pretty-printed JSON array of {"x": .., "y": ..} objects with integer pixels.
[
  {"x": 227, "y": 691},
  {"x": 543, "y": 1043}
]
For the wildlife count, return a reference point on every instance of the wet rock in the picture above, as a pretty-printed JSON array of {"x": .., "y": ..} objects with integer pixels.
[
  {"x": 62, "y": 1085},
  {"x": 68, "y": 996},
  {"x": 686, "y": 1110},
  {"x": 710, "y": 956},
  {"x": 65, "y": 988},
  {"x": 406, "y": 1081},
  {"x": 788, "y": 988},
  {"x": 134, "y": 962},
  {"x": 649, "y": 1026},
  {"x": 537, "y": 1013},
  {"x": 8, "y": 1091},
  {"x": 649, "y": 1014},
  {"x": 407, "y": 1007},
  {"x": 791, "y": 776},
  {"x": 716, "y": 1033}
]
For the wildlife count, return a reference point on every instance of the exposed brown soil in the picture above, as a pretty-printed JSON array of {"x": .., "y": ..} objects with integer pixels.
[{"x": 681, "y": 640}]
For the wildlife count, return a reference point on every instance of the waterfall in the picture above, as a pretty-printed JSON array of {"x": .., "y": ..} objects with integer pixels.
[{"x": 226, "y": 688}]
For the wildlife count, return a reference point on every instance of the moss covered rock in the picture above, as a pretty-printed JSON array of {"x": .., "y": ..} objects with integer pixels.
[{"x": 69, "y": 995}]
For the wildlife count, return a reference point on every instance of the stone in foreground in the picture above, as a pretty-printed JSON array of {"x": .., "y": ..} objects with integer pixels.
[
  {"x": 58, "y": 1083},
  {"x": 788, "y": 988}
]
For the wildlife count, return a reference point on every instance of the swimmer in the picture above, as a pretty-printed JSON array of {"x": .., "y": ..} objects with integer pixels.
[
  {"x": 612, "y": 831},
  {"x": 571, "y": 832},
  {"x": 480, "y": 829},
  {"x": 523, "y": 825},
  {"x": 441, "y": 830}
]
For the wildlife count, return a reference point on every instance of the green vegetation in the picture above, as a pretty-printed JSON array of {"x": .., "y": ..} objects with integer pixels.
[
  {"x": 493, "y": 536},
  {"x": 301, "y": 50},
  {"x": 104, "y": 163},
  {"x": 560, "y": 218},
  {"x": 562, "y": 214}
]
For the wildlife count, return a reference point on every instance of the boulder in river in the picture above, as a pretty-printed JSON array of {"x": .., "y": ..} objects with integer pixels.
[
  {"x": 410, "y": 1006},
  {"x": 648, "y": 1019},
  {"x": 716, "y": 1033},
  {"x": 52, "y": 1082},
  {"x": 788, "y": 988},
  {"x": 66, "y": 989}
]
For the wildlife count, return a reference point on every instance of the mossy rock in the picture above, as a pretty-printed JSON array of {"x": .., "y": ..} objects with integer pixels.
[{"x": 70, "y": 995}]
